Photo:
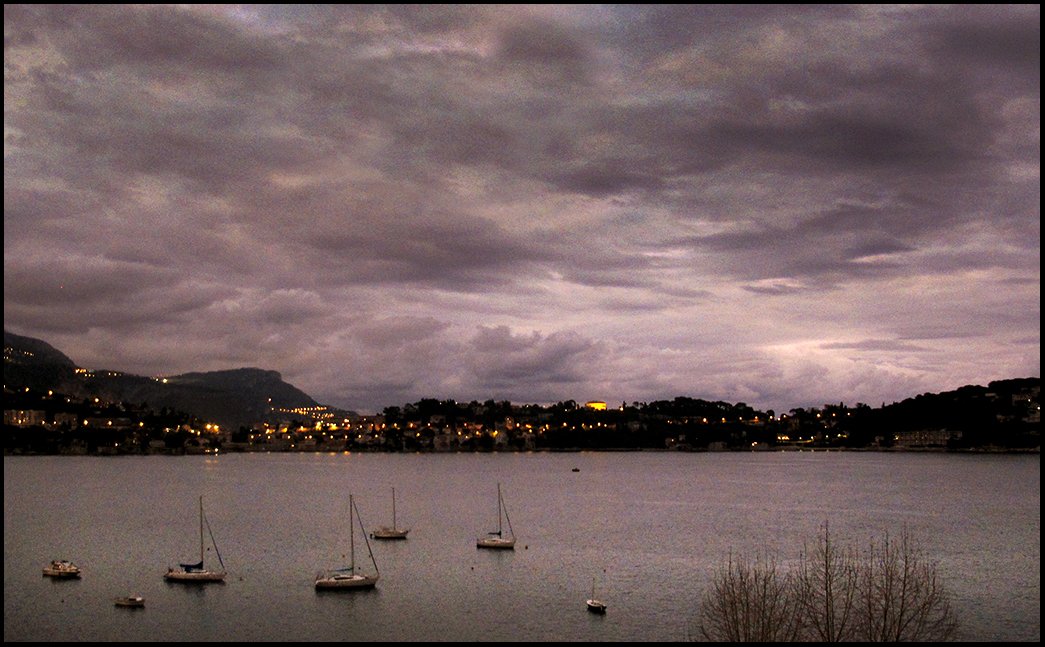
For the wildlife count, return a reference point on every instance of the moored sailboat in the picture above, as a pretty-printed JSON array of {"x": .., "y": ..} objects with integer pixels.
[
  {"x": 595, "y": 605},
  {"x": 498, "y": 539},
  {"x": 347, "y": 577},
  {"x": 196, "y": 573},
  {"x": 384, "y": 532}
]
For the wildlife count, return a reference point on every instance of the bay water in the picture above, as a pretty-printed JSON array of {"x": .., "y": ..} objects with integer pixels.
[{"x": 650, "y": 528}]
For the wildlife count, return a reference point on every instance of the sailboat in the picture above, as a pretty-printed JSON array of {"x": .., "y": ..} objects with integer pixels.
[
  {"x": 499, "y": 539},
  {"x": 347, "y": 577},
  {"x": 196, "y": 573},
  {"x": 384, "y": 532},
  {"x": 595, "y": 605}
]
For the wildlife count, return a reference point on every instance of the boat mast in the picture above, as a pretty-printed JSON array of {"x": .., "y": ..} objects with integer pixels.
[
  {"x": 393, "y": 508},
  {"x": 351, "y": 537},
  {"x": 213, "y": 543},
  {"x": 201, "y": 531},
  {"x": 369, "y": 550},
  {"x": 498, "y": 510},
  {"x": 506, "y": 517}
]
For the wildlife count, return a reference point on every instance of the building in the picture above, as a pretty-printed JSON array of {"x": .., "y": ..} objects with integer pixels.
[{"x": 925, "y": 438}]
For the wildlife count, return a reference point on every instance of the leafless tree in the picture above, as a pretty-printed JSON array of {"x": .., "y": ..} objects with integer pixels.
[
  {"x": 901, "y": 597},
  {"x": 750, "y": 601},
  {"x": 890, "y": 593},
  {"x": 826, "y": 590}
]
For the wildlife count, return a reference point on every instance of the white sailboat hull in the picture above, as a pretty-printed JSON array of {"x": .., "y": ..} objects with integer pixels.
[
  {"x": 194, "y": 576},
  {"x": 346, "y": 581},
  {"x": 596, "y": 606},
  {"x": 495, "y": 542},
  {"x": 389, "y": 533}
]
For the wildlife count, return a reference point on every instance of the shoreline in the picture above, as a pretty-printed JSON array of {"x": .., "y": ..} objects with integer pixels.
[{"x": 569, "y": 450}]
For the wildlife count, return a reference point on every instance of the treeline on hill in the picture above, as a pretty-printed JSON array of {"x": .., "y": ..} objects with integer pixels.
[
  {"x": 1002, "y": 414},
  {"x": 1005, "y": 414}
]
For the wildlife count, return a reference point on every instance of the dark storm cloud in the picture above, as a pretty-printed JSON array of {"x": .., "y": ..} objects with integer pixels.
[
  {"x": 878, "y": 345},
  {"x": 74, "y": 295},
  {"x": 529, "y": 199},
  {"x": 605, "y": 177},
  {"x": 398, "y": 240},
  {"x": 120, "y": 129},
  {"x": 390, "y": 332},
  {"x": 1003, "y": 42},
  {"x": 150, "y": 92},
  {"x": 516, "y": 363},
  {"x": 830, "y": 246},
  {"x": 462, "y": 255},
  {"x": 653, "y": 30},
  {"x": 105, "y": 37},
  {"x": 552, "y": 54}
]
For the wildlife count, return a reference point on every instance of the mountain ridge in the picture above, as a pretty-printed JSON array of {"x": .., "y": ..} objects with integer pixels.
[{"x": 232, "y": 397}]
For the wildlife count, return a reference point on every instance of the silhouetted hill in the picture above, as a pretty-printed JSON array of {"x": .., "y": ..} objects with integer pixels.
[
  {"x": 231, "y": 398},
  {"x": 982, "y": 413},
  {"x": 255, "y": 392},
  {"x": 36, "y": 364},
  {"x": 33, "y": 351}
]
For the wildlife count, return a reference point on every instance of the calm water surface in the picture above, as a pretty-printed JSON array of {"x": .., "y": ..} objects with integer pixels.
[{"x": 652, "y": 528}]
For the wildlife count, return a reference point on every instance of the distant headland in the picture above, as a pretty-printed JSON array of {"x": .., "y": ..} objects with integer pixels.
[{"x": 53, "y": 406}]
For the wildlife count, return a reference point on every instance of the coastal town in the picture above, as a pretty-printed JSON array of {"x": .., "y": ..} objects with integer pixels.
[{"x": 1004, "y": 416}]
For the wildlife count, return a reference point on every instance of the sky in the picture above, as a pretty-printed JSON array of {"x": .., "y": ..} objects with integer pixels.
[{"x": 784, "y": 206}]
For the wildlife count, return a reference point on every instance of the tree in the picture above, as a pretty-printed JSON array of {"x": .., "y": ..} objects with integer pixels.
[
  {"x": 392, "y": 415},
  {"x": 750, "y": 601},
  {"x": 901, "y": 596},
  {"x": 834, "y": 593},
  {"x": 826, "y": 590}
]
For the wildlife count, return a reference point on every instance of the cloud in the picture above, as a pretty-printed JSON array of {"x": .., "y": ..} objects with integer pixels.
[
  {"x": 502, "y": 360},
  {"x": 875, "y": 345},
  {"x": 396, "y": 331},
  {"x": 534, "y": 202}
]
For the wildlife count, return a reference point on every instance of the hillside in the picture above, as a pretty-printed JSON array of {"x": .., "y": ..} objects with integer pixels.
[
  {"x": 230, "y": 398},
  {"x": 32, "y": 351}
]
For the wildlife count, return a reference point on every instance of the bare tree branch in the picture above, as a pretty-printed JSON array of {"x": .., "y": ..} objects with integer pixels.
[{"x": 889, "y": 593}]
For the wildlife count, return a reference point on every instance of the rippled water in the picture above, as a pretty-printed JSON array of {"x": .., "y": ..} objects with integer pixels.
[{"x": 651, "y": 527}]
